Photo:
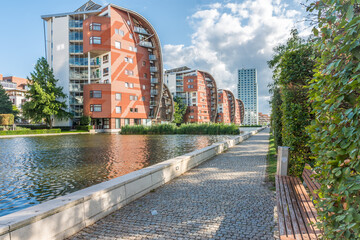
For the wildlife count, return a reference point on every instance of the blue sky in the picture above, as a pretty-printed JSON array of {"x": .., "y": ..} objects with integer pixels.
[{"x": 216, "y": 36}]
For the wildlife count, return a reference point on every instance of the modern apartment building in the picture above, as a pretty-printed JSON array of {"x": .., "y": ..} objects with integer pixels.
[
  {"x": 197, "y": 89},
  {"x": 16, "y": 88},
  {"x": 109, "y": 62},
  {"x": 226, "y": 112},
  {"x": 248, "y": 93}
]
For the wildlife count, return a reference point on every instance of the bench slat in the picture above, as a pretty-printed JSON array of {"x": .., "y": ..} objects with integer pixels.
[
  {"x": 280, "y": 208},
  {"x": 299, "y": 217},
  {"x": 309, "y": 183},
  {"x": 289, "y": 230},
  {"x": 309, "y": 209}
]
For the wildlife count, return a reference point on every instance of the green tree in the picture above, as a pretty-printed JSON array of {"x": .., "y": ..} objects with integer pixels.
[
  {"x": 16, "y": 112},
  {"x": 5, "y": 102},
  {"x": 45, "y": 97},
  {"x": 335, "y": 132},
  {"x": 179, "y": 110}
]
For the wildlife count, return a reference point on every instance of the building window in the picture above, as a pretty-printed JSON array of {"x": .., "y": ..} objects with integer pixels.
[
  {"x": 145, "y": 75},
  {"x": 133, "y": 98},
  {"x": 95, "y": 94},
  {"x": 128, "y": 22},
  {"x": 131, "y": 110},
  {"x": 106, "y": 71},
  {"x": 126, "y": 85},
  {"x": 143, "y": 87},
  {"x": 95, "y": 27},
  {"x": 129, "y": 60},
  {"x": 131, "y": 85},
  {"x": 129, "y": 72},
  {"x": 118, "y": 96},
  {"x": 105, "y": 58},
  {"x": 106, "y": 123},
  {"x": 191, "y": 86},
  {"x": 131, "y": 36},
  {"x": 95, "y": 40},
  {"x": 133, "y": 49},
  {"x": 143, "y": 63},
  {"x": 119, "y": 32},
  {"x": 142, "y": 98},
  {"x": 95, "y": 108},
  {"x": 135, "y": 110},
  {"x": 117, "y": 45},
  {"x": 190, "y": 80},
  {"x": 117, "y": 123},
  {"x": 118, "y": 109}
]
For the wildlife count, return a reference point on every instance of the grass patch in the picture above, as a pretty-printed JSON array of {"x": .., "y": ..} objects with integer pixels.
[
  {"x": 193, "y": 128},
  {"x": 271, "y": 161},
  {"x": 29, "y": 131}
]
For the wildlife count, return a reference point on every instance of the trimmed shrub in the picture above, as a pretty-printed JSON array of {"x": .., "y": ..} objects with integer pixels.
[
  {"x": 6, "y": 119},
  {"x": 85, "y": 120},
  {"x": 193, "y": 128},
  {"x": 84, "y": 128}
]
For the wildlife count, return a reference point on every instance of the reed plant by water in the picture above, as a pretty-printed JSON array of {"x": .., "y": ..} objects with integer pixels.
[{"x": 191, "y": 128}]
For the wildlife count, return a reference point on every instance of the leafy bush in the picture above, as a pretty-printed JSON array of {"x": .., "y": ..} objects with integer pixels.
[
  {"x": 335, "y": 132},
  {"x": 23, "y": 132},
  {"x": 6, "y": 119},
  {"x": 193, "y": 128},
  {"x": 84, "y": 128},
  {"x": 85, "y": 120}
]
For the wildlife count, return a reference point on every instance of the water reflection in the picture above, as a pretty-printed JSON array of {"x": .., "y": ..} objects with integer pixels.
[{"x": 33, "y": 170}]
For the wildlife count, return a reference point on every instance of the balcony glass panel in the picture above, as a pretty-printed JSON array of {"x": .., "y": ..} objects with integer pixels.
[
  {"x": 146, "y": 44},
  {"x": 140, "y": 30},
  {"x": 153, "y": 69},
  {"x": 152, "y": 57},
  {"x": 76, "y": 36},
  {"x": 75, "y": 23},
  {"x": 76, "y": 48}
]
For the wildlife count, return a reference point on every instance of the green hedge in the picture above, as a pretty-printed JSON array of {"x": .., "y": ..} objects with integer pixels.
[
  {"x": 84, "y": 128},
  {"x": 203, "y": 129},
  {"x": 24, "y": 132}
]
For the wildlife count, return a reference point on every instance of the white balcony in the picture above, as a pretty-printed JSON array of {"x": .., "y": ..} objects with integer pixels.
[
  {"x": 146, "y": 44},
  {"x": 153, "y": 69},
  {"x": 141, "y": 30}
]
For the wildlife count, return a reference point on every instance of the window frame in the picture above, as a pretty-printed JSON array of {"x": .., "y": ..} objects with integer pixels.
[
  {"x": 93, "y": 40},
  {"x": 93, "y": 26}
]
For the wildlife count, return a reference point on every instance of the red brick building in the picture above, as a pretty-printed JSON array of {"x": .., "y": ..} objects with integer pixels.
[{"x": 226, "y": 112}]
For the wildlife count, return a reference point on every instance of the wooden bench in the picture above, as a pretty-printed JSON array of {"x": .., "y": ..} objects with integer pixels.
[{"x": 296, "y": 211}]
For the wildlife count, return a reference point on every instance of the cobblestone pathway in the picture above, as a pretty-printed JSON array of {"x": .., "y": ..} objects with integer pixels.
[{"x": 224, "y": 198}]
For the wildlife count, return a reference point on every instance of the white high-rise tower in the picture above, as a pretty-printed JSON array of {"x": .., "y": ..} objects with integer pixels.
[{"x": 248, "y": 93}]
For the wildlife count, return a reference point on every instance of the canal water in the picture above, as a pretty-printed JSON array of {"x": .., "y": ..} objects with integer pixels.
[{"x": 37, "y": 169}]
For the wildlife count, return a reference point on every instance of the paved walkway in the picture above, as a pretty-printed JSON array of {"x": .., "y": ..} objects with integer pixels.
[{"x": 224, "y": 198}]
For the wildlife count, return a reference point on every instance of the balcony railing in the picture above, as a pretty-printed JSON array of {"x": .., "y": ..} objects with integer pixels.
[
  {"x": 146, "y": 44},
  {"x": 6, "y": 84},
  {"x": 152, "y": 57},
  {"x": 153, "y": 92},
  {"x": 152, "y": 103},
  {"x": 179, "y": 84},
  {"x": 179, "y": 78},
  {"x": 141, "y": 30},
  {"x": 153, "y": 69},
  {"x": 154, "y": 80},
  {"x": 208, "y": 79}
]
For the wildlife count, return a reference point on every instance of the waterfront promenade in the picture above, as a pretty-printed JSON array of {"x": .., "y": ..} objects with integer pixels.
[{"x": 223, "y": 198}]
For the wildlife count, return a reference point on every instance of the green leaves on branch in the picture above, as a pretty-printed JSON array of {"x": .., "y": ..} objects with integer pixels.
[
  {"x": 179, "y": 110},
  {"x": 335, "y": 132},
  {"x": 45, "y": 97}
]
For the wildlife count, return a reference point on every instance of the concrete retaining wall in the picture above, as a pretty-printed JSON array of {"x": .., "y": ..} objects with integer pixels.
[{"x": 66, "y": 215}]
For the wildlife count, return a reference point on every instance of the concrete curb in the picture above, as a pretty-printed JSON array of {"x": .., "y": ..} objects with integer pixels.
[{"x": 64, "y": 216}]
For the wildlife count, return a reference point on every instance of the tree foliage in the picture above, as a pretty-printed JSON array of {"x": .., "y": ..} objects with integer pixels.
[
  {"x": 5, "y": 102},
  {"x": 45, "y": 97},
  {"x": 179, "y": 110},
  {"x": 335, "y": 132},
  {"x": 292, "y": 69}
]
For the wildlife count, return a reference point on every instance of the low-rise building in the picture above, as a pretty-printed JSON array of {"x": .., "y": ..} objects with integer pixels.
[
  {"x": 16, "y": 88},
  {"x": 264, "y": 119}
]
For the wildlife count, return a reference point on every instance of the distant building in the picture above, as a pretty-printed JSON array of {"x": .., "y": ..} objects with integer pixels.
[
  {"x": 198, "y": 91},
  {"x": 108, "y": 60},
  {"x": 264, "y": 119},
  {"x": 226, "y": 112},
  {"x": 16, "y": 88},
  {"x": 248, "y": 93}
]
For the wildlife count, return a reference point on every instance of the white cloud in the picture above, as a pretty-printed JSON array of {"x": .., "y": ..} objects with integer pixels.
[{"x": 230, "y": 36}]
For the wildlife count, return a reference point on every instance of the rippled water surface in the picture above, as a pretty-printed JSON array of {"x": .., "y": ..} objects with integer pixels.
[{"x": 36, "y": 169}]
